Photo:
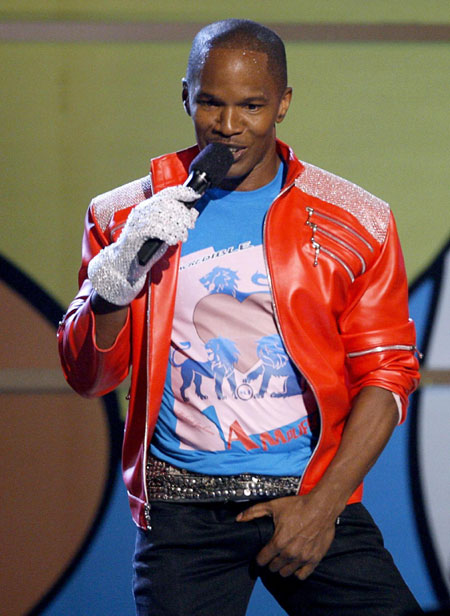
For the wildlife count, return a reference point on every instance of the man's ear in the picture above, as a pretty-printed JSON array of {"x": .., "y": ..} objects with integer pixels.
[
  {"x": 284, "y": 105},
  {"x": 185, "y": 96}
]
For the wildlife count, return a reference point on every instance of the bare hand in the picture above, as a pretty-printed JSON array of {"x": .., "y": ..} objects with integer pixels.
[{"x": 303, "y": 533}]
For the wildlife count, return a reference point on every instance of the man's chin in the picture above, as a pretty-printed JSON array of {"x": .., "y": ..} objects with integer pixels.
[{"x": 233, "y": 181}]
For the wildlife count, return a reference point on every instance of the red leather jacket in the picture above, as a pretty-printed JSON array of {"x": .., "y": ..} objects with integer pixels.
[{"x": 339, "y": 292}]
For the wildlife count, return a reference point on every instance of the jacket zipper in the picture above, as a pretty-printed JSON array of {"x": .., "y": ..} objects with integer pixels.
[
  {"x": 315, "y": 228},
  {"x": 280, "y": 332},
  {"x": 312, "y": 211},
  {"x": 147, "y": 506},
  {"x": 392, "y": 347},
  {"x": 319, "y": 248}
]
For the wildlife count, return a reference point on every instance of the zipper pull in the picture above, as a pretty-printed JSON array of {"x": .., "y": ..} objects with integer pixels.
[
  {"x": 310, "y": 213},
  {"x": 416, "y": 350},
  {"x": 315, "y": 244},
  {"x": 316, "y": 247}
]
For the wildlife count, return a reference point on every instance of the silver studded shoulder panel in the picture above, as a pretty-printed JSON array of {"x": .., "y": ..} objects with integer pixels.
[
  {"x": 106, "y": 204},
  {"x": 370, "y": 211}
]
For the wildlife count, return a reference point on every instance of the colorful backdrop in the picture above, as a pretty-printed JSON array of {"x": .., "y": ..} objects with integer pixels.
[{"x": 91, "y": 91}]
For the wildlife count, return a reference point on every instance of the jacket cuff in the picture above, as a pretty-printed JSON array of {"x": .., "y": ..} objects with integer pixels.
[
  {"x": 92, "y": 317},
  {"x": 398, "y": 402}
]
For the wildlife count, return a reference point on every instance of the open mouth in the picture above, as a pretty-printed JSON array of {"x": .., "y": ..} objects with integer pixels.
[
  {"x": 237, "y": 151},
  {"x": 234, "y": 149}
]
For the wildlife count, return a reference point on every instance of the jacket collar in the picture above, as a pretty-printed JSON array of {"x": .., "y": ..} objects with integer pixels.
[
  {"x": 177, "y": 171},
  {"x": 294, "y": 166}
]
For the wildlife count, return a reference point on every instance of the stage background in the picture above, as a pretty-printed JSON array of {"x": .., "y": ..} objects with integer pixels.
[{"x": 91, "y": 91}]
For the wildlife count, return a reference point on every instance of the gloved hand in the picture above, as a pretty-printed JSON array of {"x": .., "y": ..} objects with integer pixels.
[{"x": 115, "y": 272}]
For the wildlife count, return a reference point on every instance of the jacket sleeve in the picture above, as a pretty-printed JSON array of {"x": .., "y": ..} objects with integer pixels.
[
  {"x": 378, "y": 335},
  {"x": 91, "y": 371}
]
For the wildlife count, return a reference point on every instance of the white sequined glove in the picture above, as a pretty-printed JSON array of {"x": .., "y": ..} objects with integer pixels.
[{"x": 115, "y": 272}]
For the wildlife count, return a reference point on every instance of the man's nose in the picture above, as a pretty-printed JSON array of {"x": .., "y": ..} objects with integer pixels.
[{"x": 228, "y": 121}]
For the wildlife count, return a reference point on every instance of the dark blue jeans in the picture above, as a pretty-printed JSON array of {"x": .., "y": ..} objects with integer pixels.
[{"x": 197, "y": 561}]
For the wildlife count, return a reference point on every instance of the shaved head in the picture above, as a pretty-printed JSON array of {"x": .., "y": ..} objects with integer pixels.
[{"x": 239, "y": 34}]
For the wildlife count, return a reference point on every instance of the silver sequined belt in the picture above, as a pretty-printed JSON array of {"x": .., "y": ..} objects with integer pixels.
[{"x": 169, "y": 483}]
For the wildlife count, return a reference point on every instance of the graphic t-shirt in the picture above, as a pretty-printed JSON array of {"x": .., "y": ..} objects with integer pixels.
[{"x": 233, "y": 401}]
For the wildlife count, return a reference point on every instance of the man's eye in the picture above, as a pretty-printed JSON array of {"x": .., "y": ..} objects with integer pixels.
[
  {"x": 207, "y": 103},
  {"x": 253, "y": 106}
]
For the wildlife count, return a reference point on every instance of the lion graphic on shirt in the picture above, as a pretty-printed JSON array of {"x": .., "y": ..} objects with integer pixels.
[
  {"x": 225, "y": 280},
  {"x": 222, "y": 355},
  {"x": 275, "y": 363}
]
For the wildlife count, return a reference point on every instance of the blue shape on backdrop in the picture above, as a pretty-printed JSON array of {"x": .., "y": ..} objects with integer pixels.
[{"x": 101, "y": 584}]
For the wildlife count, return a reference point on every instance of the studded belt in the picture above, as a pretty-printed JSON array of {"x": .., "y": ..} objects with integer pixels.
[{"x": 169, "y": 483}]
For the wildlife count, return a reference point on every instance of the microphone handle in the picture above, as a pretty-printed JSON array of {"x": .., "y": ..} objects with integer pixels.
[
  {"x": 196, "y": 180},
  {"x": 148, "y": 249}
]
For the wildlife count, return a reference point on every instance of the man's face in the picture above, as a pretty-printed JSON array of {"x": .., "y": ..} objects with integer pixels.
[{"x": 235, "y": 100}]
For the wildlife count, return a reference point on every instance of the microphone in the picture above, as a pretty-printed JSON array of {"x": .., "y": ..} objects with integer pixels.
[{"x": 207, "y": 169}]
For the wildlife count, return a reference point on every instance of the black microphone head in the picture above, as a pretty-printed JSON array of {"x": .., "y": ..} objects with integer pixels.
[{"x": 214, "y": 161}]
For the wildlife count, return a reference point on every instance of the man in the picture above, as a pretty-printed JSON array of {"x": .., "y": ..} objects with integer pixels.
[{"x": 271, "y": 353}]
